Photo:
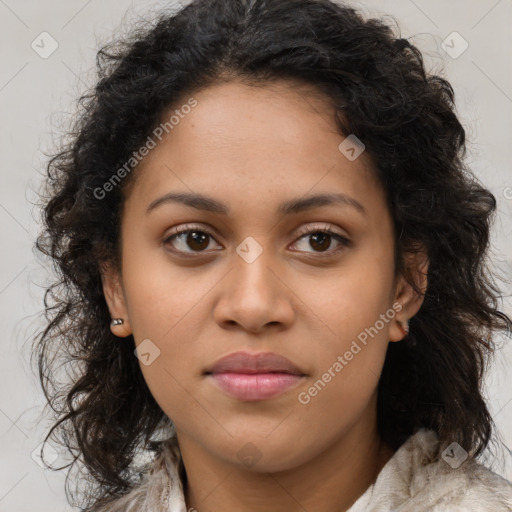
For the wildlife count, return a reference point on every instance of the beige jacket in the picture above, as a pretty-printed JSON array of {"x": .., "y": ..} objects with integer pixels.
[{"x": 413, "y": 480}]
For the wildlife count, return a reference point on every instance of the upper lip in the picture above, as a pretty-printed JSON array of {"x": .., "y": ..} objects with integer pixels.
[{"x": 260, "y": 362}]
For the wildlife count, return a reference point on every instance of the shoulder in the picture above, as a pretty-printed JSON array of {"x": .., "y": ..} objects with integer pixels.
[
  {"x": 444, "y": 485},
  {"x": 159, "y": 489},
  {"x": 419, "y": 479},
  {"x": 485, "y": 490}
]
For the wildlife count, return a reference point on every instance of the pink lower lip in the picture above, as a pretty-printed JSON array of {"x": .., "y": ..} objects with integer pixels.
[{"x": 255, "y": 386}]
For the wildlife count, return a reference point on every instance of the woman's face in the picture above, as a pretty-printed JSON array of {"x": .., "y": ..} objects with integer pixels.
[{"x": 259, "y": 276}]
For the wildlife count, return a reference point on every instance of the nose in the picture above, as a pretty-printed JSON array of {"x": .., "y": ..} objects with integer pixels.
[{"x": 254, "y": 296}]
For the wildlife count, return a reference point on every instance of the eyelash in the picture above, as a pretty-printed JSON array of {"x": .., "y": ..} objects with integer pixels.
[{"x": 344, "y": 242}]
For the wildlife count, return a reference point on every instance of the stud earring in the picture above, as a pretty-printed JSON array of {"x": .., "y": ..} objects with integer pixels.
[{"x": 116, "y": 321}]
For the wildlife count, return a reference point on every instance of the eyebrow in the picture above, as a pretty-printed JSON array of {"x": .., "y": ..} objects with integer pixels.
[{"x": 293, "y": 206}]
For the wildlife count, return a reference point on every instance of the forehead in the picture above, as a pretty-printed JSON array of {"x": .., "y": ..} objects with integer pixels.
[
  {"x": 268, "y": 139},
  {"x": 277, "y": 114}
]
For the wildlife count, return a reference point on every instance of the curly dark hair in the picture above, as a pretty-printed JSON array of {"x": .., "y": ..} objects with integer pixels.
[{"x": 379, "y": 91}]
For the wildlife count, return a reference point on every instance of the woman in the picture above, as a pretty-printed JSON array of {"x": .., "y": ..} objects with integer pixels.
[{"x": 273, "y": 283}]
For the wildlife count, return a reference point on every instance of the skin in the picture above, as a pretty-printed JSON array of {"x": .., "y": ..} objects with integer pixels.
[{"x": 254, "y": 148}]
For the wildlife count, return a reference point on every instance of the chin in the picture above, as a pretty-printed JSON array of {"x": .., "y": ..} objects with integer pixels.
[{"x": 261, "y": 454}]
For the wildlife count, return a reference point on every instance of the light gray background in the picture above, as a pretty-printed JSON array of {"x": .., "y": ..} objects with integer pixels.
[{"x": 36, "y": 96}]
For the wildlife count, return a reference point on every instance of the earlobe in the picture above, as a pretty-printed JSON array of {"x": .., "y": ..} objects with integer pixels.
[
  {"x": 409, "y": 299},
  {"x": 403, "y": 325},
  {"x": 114, "y": 296},
  {"x": 119, "y": 329},
  {"x": 399, "y": 328}
]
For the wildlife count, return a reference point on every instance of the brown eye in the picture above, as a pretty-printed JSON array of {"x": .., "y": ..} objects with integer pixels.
[
  {"x": 321, "y": 240},
  {"x": 189, "y": 240}
]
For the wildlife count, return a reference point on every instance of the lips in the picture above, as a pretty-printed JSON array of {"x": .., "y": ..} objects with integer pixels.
[
  {"x": 262, "y": 362},
  {"x": 252, "y": 377}
]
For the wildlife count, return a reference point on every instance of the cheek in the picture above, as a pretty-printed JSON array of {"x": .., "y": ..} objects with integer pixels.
[
  {"x": 160, "y": 294},
  {"x": 349, "y": 354},
  {"x": 352, "y": 299},
  {"x": 163, "y": 307},
  {"x": 355, "y": 312}
]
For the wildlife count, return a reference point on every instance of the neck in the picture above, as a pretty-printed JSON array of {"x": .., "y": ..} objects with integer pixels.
[{"x": 332, "y": 481}]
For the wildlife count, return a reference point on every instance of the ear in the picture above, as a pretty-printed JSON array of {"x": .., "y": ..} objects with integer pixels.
[
  {"x": 410, "y": 301},
  {"x": 116, "y": 300}
]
